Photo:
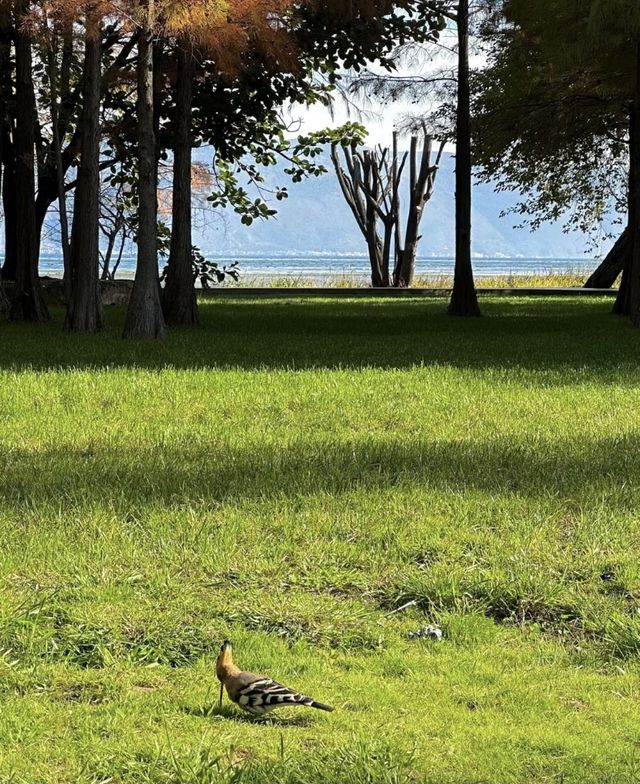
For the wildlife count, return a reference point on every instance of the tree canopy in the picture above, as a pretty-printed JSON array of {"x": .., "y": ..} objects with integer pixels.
[{"x": 551, "y": 108}]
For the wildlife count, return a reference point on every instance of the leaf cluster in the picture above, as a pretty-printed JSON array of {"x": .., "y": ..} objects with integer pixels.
[{"x": 551, "y": 108}]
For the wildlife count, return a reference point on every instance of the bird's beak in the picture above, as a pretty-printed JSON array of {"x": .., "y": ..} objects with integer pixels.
[{"x": 221, "y": 690}]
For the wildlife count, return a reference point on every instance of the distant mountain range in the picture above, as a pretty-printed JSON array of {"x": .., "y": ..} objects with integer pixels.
[{"x": 315, "y": 219}]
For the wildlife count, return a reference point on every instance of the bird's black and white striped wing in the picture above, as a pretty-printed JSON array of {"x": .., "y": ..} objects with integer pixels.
[{"x": 264, "y": 695}]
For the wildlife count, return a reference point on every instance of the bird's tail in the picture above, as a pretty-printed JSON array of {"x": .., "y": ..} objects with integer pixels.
[{"x": 321, "y": 706}]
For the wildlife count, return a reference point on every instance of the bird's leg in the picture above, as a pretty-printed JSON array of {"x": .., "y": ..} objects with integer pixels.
[{"x": 221, "y": 689}]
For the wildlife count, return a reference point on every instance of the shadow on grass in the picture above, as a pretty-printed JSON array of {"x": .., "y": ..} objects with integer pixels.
[
  {"x": 229, "y": 713},
  {"x": 581, "y": 468},
  {"x": 537, "y": 335}
]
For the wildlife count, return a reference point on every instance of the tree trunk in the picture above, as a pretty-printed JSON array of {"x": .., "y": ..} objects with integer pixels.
[
  {"x": 376, "y": 258},
  {"x": 610, "y": 268},
  {"x": 144, "y": 314},
  {"x": 49, "y": 174},
  {"x": 84, "y": 310},
  {"x": 360, "y": 188},
  {"x": 379, "y": 250},
  {"x": 27, "y": 303},
  {"x": 5, "y": 65},
  {"x": 7, "y": 157},
  {"x": 421, "y": 184},
  {"x": 179, "y": 296},
  {"x": 9, "y": 208},
  {"x": 464, "y": 300},
  {"x": 57, "y": 152},
  {"x": 628, "y": 299}
]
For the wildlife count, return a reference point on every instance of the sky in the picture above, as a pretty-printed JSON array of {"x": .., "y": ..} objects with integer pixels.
[{"x": 379, "y": 121}]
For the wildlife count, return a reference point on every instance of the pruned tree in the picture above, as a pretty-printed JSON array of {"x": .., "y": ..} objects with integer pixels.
[
  {"x": 368, "y": 187},
  {"x": 371, "y": 181}
]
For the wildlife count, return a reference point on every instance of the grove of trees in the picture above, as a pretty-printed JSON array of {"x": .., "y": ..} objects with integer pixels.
[
  {"x": 97, "y": 96},
  {"x": 108, "y": 89}
]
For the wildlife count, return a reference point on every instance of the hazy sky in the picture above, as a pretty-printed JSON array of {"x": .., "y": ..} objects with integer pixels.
[{"x": 378, "y": 121}]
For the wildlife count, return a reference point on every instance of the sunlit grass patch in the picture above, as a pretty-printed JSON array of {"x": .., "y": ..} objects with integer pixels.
[{"x": 289, "y": 476}]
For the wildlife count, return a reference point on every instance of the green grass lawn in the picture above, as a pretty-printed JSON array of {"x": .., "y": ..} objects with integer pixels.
[{"x": 286, "y": 476}]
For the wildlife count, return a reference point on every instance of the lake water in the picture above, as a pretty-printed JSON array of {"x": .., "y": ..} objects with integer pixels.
[{"x": 316, "y": 267}]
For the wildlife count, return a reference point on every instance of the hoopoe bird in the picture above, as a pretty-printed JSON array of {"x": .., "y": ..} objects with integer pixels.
[{"x": 256, "y": 693}]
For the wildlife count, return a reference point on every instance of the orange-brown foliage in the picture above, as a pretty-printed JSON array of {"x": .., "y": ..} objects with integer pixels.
[
  {"x": 223, "y": 30},
  {"x": 226, "y": 29}
]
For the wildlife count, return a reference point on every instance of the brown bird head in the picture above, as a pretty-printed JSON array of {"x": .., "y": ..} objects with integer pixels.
[{"x": 224, "y": 663}]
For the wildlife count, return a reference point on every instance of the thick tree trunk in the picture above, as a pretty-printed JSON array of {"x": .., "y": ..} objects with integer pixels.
[
  {"x": 27, "y": 303},
  {"x": 464, "y": 300},
  {"x": 5, "y": 65},
  {"x": 9, "y": 208},
  {"x": 57, "y": 153},
  {"x": 421, "y": 182},
  {"x": 628, "y": 299},
  {"x": 84, "y": 310},
  {"x": 379, "y": 273},
  {"x": 144, "y": 315},
  {"x": 612, "y": 265},
  {"x": 7, "y": 157},
  {"x": 179, "y": 296},
  {"x": 406, "y": 251}
]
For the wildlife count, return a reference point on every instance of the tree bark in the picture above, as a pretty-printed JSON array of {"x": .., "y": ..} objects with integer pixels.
[
  {"x": 421, "y": 185},
  {"x": 464, "y": 300},
  {"x": 406, "y": 251},
  {"x": 28, "y": 303},
  {"x": 612, "y": 265},
  {"x": 5, "y": 65},
  {"x": 84, "y": 310},
  {"x": 628, "y": 299},
  {"x": 7, "y": 157},
  {"x": 379, "y": 249},
  {"x": 57, "y": 152},
  {"x": 144, "y": 315},
  {"x": 179, "y": 295},
  {"x": 9, "y": 208}
]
